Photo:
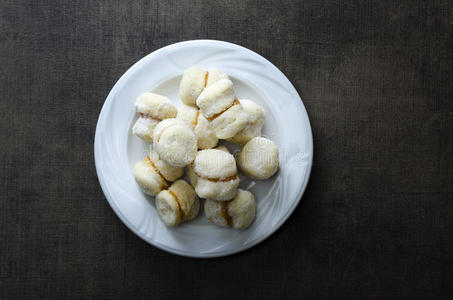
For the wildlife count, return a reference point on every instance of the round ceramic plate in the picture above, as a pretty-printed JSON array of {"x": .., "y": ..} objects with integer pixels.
[{"x": 117, "y": 150}]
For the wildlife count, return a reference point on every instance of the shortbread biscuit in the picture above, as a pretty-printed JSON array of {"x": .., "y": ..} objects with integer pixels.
[
  {"x": 195, "y": 80},
  {"x": 215, "y": 75},
  {"x": 148, "y": 178},
  {"x": 193, "y": 178},
  {"x": 258, "y": 159},
  {"x": 216, "y": 98},
  {"x": 214, "y": 175},
  {"x": 169, "y": 172},
  {"x": 177, "y": 204},
  {"x": 219, "y": 105},
  {"x": 151, "y": 108},
  {"x": 175, "y": 142},
  {"x": 255, "y": 122},
  {"x": 214, "y": 95},
  {"x": 192, "y": 83},
  {"x": 230, "y": 122},
  {"x": 152, "y": 173},
  {"x": 238, "y": 213},
  {"x": 144, "y": 127},
  {"x": 201, "y": 127}
]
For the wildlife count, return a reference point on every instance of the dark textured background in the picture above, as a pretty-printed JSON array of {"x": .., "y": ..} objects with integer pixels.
[{"x": 376, "y": 220}]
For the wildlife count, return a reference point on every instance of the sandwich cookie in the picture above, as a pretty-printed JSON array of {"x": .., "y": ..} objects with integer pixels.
[
  {"x": 177, "y": 204},
  {"x": 213, "y": 174},
  {"x": 200, "y": 126},
  {"x": 175, "y": 142},
  {"x": 152, "y": 174},
  {"x": 191, "y": 174},
  {"x": 193, "y": 178},
  {"x": 194, "y": 80},
  {"x": 219, "y": 106},
  {"x": 238, "y": 213},
  {"x": 151, "y": 108},
  {"x": 258, "y": 159},
  {"x": 255, "y": 122}
]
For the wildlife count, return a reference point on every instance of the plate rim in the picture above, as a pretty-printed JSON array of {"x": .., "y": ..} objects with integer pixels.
[{"x": 117, "y": 211}]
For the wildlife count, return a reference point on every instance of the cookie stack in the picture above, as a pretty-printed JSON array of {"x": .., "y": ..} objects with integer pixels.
[{"x": 186, "y": 138}]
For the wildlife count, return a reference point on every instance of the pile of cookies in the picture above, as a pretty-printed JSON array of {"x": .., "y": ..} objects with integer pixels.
[{"x": 186, "y": 138}]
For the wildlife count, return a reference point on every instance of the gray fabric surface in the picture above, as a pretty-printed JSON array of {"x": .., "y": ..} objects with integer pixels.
[{"x": 376, "y": 220}]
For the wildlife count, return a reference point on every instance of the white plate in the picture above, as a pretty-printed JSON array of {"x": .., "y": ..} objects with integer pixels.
[{"x": 117, "y": 150}]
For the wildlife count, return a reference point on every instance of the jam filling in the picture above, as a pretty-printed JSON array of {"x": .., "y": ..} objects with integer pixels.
[
  {"x": 195, "y": 123},
  {"x": 149, "y": 117},
  {"x": 206, "y": 79},
  {"x": 225, "y": 214},
  {"x": 177, "y": 201},
  {"x": 235, "y": 102},
  {"x": 229, "y": 178},
  {"x": 155, "y": 168}
]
